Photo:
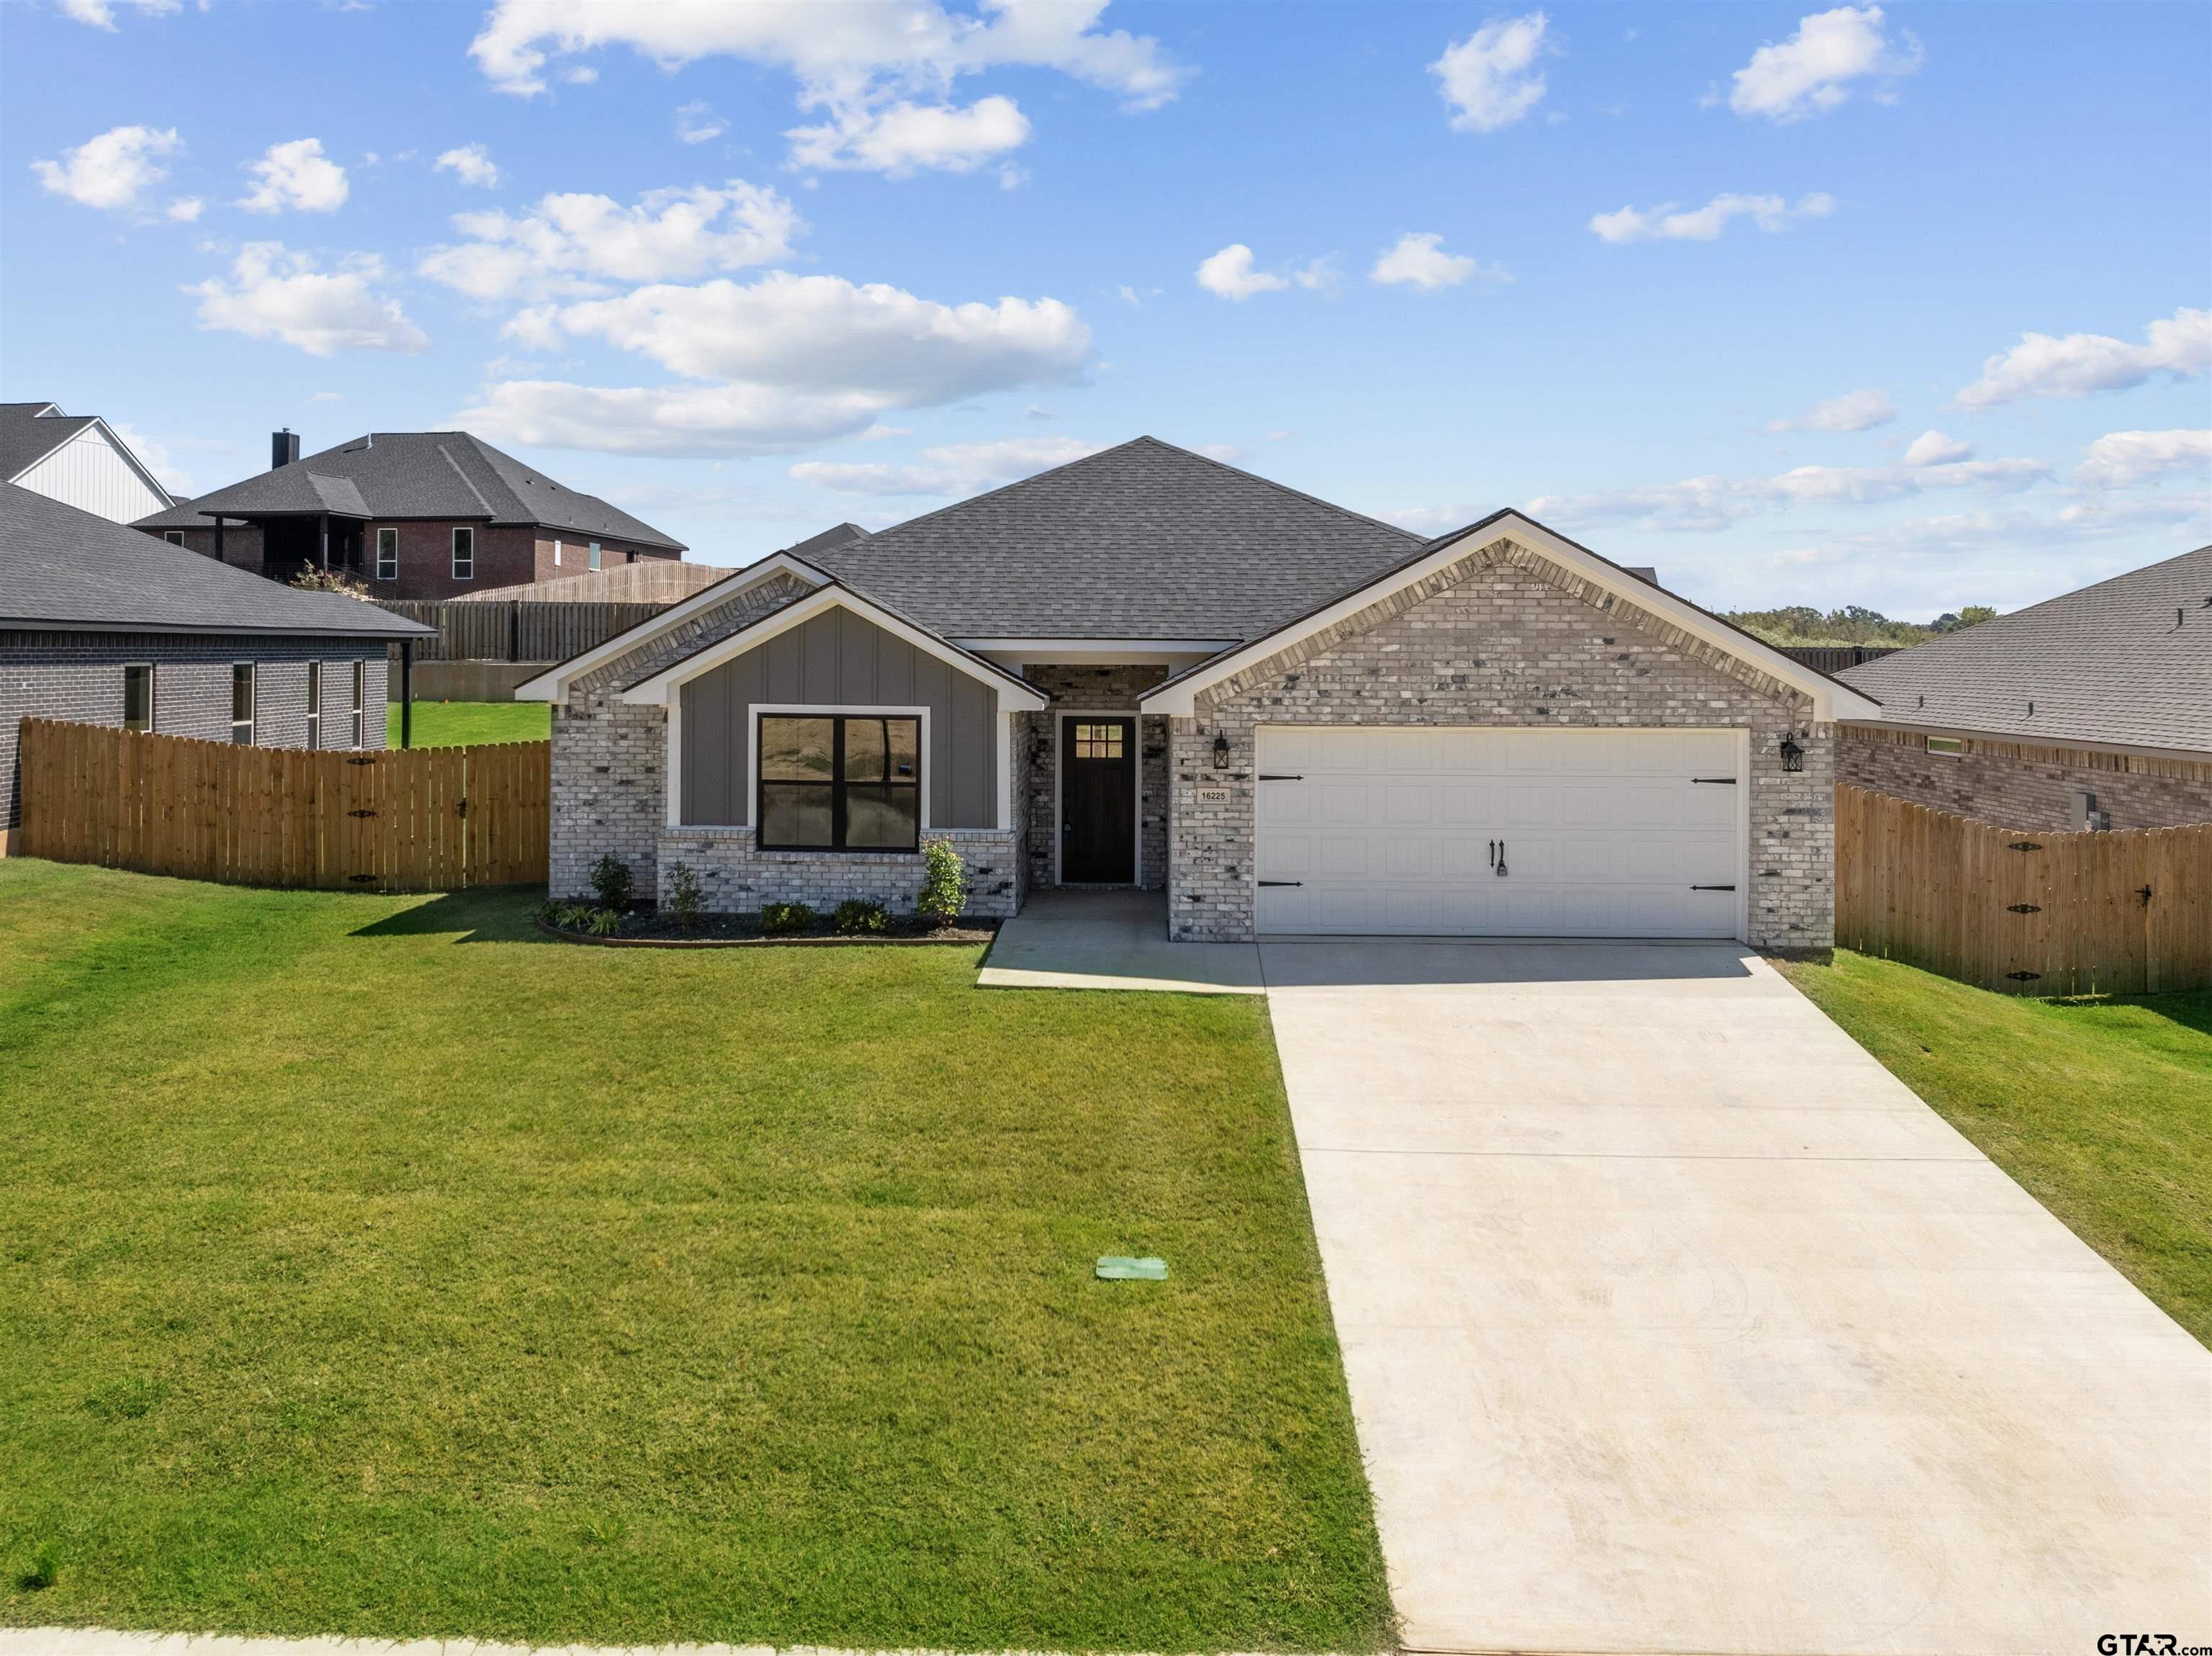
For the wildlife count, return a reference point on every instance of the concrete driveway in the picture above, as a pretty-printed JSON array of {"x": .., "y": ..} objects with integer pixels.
[{"x": 1673, "y": 1323}]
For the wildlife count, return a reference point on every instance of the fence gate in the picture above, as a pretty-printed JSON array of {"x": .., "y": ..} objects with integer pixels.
[
  {"x": 428, "y": 819},
  {"x": 2031, "y": 913}
]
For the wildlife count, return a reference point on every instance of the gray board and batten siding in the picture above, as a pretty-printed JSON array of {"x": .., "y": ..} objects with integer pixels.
[{"x": 840, "y": 660}]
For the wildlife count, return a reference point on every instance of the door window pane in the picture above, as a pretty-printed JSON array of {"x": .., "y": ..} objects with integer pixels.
[
  {"x": 798, "y": 750},
  {"x": 795, "y": 814}
]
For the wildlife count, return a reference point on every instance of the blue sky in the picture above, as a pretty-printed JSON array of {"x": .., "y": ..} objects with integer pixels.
[{"x": 1904, "y": 306}]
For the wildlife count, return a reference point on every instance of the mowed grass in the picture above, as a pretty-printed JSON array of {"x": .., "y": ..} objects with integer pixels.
[
  {"x": 370, "y": 1266},
  {"x": 467, "y": 723},
  {"x": 2102, "y": 1110}
]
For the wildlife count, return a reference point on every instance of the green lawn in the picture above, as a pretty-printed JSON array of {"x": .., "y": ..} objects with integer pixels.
[
  {"x": 2102, "y": 1110},
  {"x": 463, "y": 724},
  {"x": 369, "y": 1265}
]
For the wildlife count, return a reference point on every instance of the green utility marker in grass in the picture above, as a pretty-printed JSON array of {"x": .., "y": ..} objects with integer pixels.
[{"x": 1113, "y": 1268}]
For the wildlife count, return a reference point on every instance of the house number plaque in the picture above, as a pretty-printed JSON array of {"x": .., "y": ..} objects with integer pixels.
[{"x": 1213, "y": 795}]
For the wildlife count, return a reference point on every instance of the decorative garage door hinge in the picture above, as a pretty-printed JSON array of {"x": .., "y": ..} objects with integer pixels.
[
  {"x": 1712, "y": 888},
  {"x": 1725, "y": 781},
  {"x": 1268, "y": 776},
  {"x": 1282, "y": 883}
]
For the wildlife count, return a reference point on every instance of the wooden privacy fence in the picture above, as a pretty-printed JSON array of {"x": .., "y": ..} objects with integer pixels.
[
  {"x": 2127, "y": 912},
  {"x": 432, "y": 819},
  {"x": 515, "y": 632}
]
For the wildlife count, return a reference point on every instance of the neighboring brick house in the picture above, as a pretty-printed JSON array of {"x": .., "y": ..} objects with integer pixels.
[
  {"x": 414, "y": 514},
  {"x": 1147, "y": 667},
  {"x": 98, "y": 628},
  {"x": 2090, "y": 710}
]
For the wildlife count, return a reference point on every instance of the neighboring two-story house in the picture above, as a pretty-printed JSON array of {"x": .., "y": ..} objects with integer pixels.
[
  {"x": 77, "y": 459},
  {"x": 413, "y": 514}
]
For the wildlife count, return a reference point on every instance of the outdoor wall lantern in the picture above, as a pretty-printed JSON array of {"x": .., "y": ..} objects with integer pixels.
[
  {"x": 1793, "y": 756},
  {"x": 1220, "y": 751}
]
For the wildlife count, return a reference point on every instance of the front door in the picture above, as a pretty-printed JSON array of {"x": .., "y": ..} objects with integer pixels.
[{"x": 1097, "y": 801}]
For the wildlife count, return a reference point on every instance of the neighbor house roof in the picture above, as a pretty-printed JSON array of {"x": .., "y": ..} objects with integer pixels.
[
  {"x": 1142, "y": 541},
  {"x": 31, "y": 431},
  {"x": 71, "y": 570},
  {"x": 2126, "y": 663},
  {"x": 416, "y": 474}
]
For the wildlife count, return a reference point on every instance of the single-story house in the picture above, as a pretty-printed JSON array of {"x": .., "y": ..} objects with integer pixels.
[
  {"x": 77, "y": 459},
  {"x": 99, "y": 627},
  {"x": 414, "y": 514},
  {"x": 2091, "y": 711},
  {"x": 1147, "y": 667}
]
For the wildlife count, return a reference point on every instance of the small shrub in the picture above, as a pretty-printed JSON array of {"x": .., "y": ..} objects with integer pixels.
[
  {"x": 944, "y": 883},
  {"x": 611, "y": 879},
  {"x": 777, "y": 919},
  {"x": 604, "y": 922},
  {"x": 686, "y": 904},
  {"x": 857, "y": 917},
  {"x": 312, "y": 579}
]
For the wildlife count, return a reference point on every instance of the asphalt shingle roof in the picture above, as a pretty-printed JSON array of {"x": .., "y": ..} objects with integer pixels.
[
  {"x": 416, "y": 474},
  {"x": 1144, "y": 541},
  {"x": 2128, "y": 661},
  {"x": 27, "y": 436},
  {"x": 66, "y": 568}
]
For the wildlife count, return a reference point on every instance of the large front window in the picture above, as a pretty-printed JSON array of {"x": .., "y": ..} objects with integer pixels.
[{"x": 851, "y": 782}]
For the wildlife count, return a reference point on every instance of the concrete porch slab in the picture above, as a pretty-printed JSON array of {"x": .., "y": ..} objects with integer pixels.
[{"x": 1112, "y": 939}]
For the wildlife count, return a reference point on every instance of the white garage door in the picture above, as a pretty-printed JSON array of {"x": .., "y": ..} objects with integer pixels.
[{"x": 1501, "y": 833}]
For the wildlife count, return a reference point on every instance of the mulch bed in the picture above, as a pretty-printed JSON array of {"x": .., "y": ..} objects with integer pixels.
[{"x": 643, "y": 929}]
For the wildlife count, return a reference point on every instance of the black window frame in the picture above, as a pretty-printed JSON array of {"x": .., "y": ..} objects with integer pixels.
[
  {"x": 314, "y": 704},
  {"x": 382, "y": 573},
  {"x": 153, "y": 708},
  {"x": 174, "y": 537},
  {"x": 242, "y": 672},
  {"x": 359, "y": 698},
  {"x": 836, "y": 784},
  {"x": 468, "y": 530}
]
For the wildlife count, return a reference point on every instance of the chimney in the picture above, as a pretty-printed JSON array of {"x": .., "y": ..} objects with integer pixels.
[{"x": 284, "y": 447}]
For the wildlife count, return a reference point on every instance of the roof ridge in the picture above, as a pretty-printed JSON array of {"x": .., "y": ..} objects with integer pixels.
[
  {"x": 1064, "y": 465},
  {"x": 1254, "y": 477},
  {"x": 468, "y": 483}
]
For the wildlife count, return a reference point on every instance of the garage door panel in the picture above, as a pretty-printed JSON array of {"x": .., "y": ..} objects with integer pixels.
[{"x": 1605, "y": 832}]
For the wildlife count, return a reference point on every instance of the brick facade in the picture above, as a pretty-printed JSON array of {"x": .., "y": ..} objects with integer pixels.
[
  {"x": 2017, "y": 785},
  {"x": 737, "y": 877},
  {"x": 78, "y": 676},
  {"x": 1503, "y": 637},
  {"x": 1094, "y": 690},
  {"x": 507, "y": 555}
]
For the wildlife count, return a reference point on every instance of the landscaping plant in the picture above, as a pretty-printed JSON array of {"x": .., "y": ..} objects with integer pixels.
[
  {"x": 778, "y": 919},
  {"x": 858, "y": 917},
  {"x": 611, "y": 879},
  {"x": 686, "y": 904},
  {"x": 944, "y": 883}
]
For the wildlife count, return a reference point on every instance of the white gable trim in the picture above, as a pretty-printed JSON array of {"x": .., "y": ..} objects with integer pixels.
[
  {"x": 659, "y": 690},
  {"x": 1830, "y": 700},
  {"x": 552, "y": 685}
]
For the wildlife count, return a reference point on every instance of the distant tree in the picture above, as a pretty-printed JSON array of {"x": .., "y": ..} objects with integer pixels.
[{"x": 1975, "y": 614}]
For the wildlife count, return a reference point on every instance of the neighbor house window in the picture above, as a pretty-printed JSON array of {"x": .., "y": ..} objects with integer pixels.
[
  {"x": 465, "y": 555},
  {"x": 595, "y": 555},
  {"x": 387, "y": 554},
  {"x": 556, "y": 554},
  {"x": 360, "y": 684},
  {"x": 314, "y": 704},
  {"x": 174, "y": 537},
  {"x": 840, "y": 784},
  {"x": 241, "y": 703},
  {"x": 138, "y": 697},
  {"x": 1952, "y": 745}
]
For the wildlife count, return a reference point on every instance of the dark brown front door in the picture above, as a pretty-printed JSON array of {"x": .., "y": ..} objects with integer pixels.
[{"x": 1097, "y": 801}]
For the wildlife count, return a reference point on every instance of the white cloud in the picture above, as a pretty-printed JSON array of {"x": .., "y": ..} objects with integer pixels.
[
  {"x": 1811, "y": 72},
  {"x": 101, "y": 14},
  {"x": 696, "y": 124},
  {"x": 112, "y": 170},
  {"x": 1714, "y": 502},
  {"x": 1857, "y": 411},
  {"x": 579, "y": 244},
  {"x": 950, "y": 469},
  {"x": 156, "y": 457},
  {"x": 2120, "y": 459},
  {"x": 185, "y": 209},
  {"x": 900, "y": 138},
  {"x": 1665, "y": 223},
  {"x": 1230, "y": 273},
  {"x": 2083, "y": 363},
  {"x": 1419, "y": 260},
  {"x": 472, "y": 164},
  {"x": 297, "y": 175},
  {"x": 1489, "y": 78},
  {"x": 273, "y": 294},
  {"x": 1933, "y": 448},
  {"x": 795, "y": 361}
]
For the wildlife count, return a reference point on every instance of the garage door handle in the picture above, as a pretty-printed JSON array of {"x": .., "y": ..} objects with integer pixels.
[
  {"x": 1266, "y": 777},
  {"x": 1725, "y": 781},
  {"x": 1712, "y": 888},
  {"x": 1282, "y": 883}
]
